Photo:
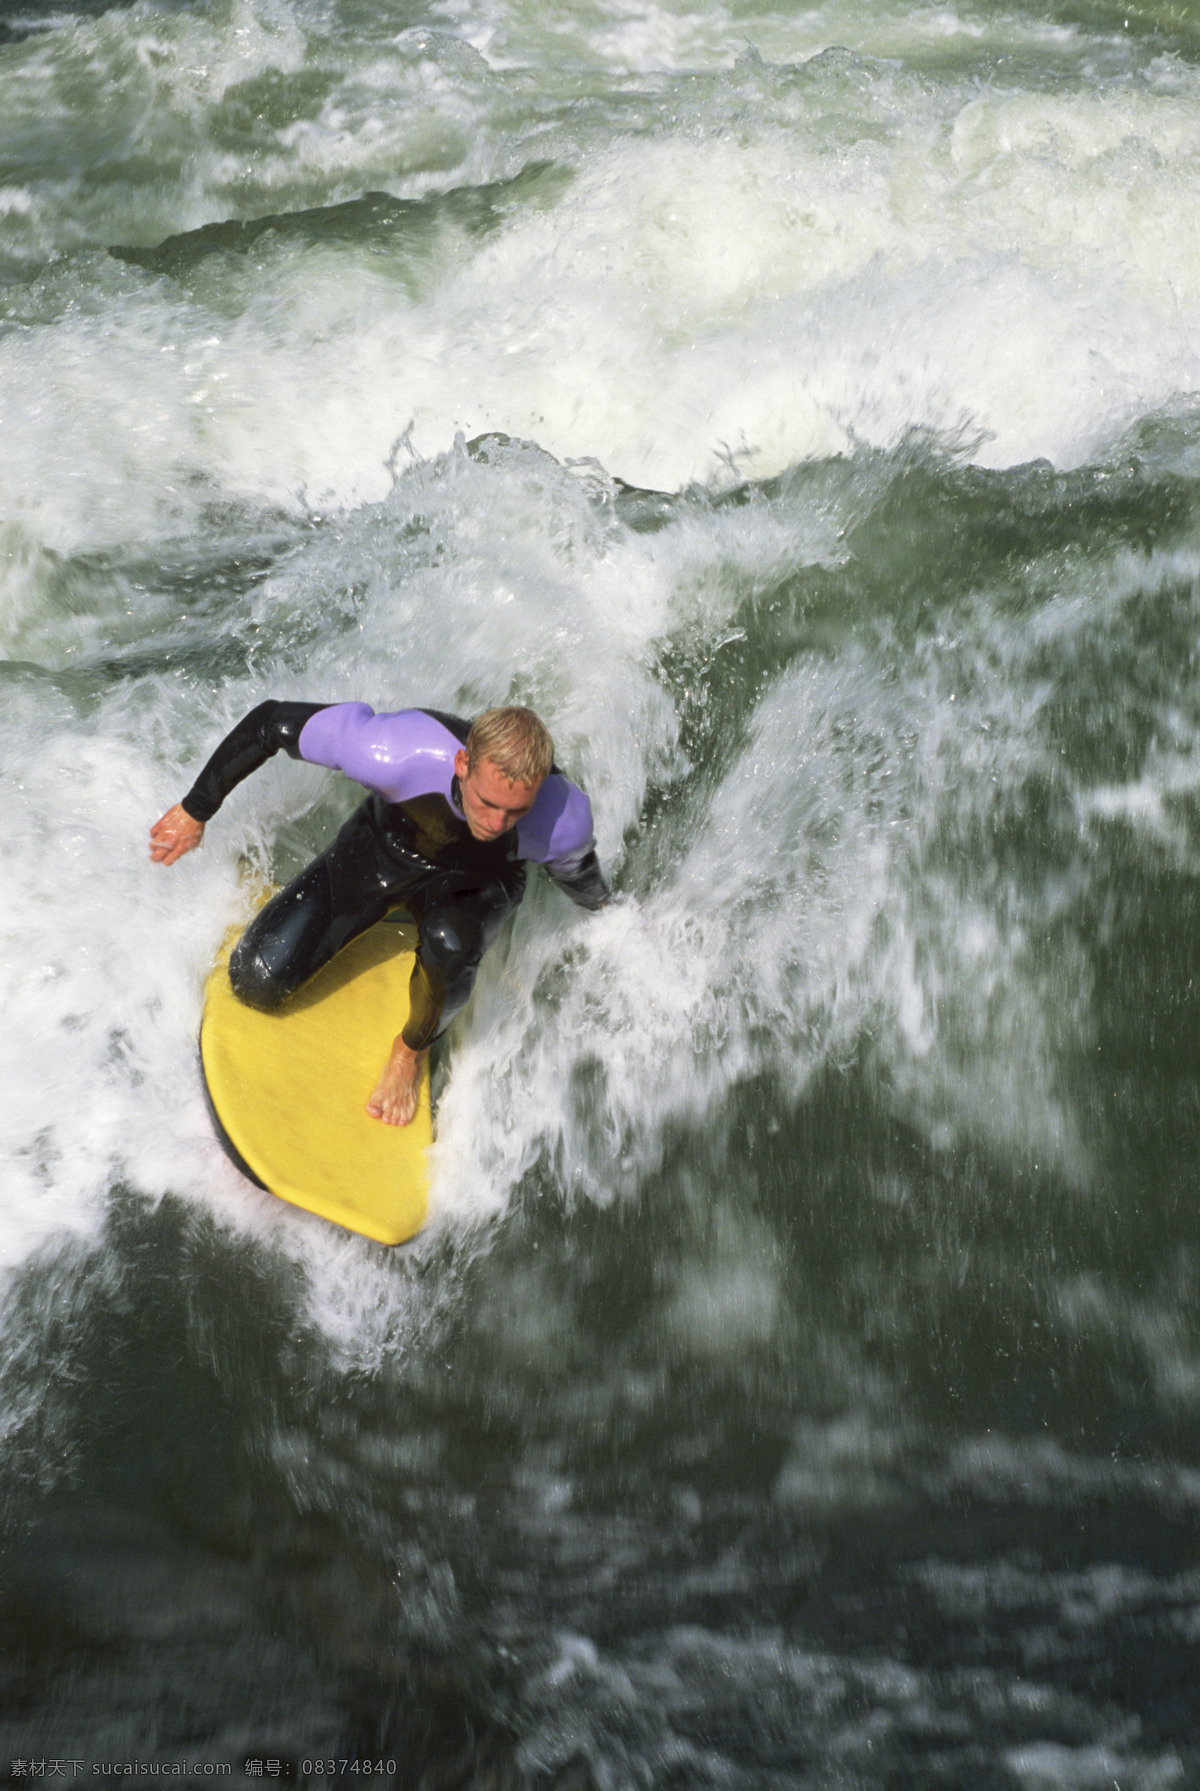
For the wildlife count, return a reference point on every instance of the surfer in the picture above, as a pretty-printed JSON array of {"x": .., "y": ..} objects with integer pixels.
[{"x": 454, "y": 813}]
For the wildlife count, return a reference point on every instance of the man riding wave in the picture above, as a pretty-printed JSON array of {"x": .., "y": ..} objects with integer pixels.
[{"x": 454, "y": 813}]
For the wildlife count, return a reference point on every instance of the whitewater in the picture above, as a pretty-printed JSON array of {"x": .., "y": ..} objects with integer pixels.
[{"x": 797, "y": 1383}]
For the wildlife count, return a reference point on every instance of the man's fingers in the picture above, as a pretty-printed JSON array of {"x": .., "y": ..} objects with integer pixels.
[{"x": 173, "y": 834}]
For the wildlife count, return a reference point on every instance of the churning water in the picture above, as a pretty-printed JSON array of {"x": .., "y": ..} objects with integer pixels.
[{"x": 798, "y": 1383}]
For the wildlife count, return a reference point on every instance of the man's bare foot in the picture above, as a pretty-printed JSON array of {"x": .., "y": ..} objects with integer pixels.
[{"x": 396, "y": 1093}]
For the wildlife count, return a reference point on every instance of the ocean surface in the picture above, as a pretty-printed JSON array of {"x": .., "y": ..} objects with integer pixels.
[{"x": 798, "y": 1382}]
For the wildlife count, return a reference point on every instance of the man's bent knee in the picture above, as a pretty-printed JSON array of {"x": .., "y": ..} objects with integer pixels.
[
  {"x": 449, "y": 945},
  {"x": 253, "y": 981}
]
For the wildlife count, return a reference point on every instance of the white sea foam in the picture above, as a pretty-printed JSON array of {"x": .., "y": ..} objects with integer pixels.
[
  {"x": 785, "y": 912},
  {"x": 99, "y": 1071},
  {"x": 782, "y": 260},
  {"x": 808, "y": 260}
]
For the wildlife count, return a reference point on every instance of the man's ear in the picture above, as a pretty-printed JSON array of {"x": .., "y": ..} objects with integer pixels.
[{"x": 462, "y": 763}]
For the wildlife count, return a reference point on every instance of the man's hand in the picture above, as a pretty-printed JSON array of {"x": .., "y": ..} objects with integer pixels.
[{"x": 174, "y": 835}]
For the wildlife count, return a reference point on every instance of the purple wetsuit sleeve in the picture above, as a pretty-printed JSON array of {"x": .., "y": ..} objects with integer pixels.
[
  {"x": 557, "y": 832},
  {"x": 402, "y": 755},
  {"x": 559, "y": 823}
]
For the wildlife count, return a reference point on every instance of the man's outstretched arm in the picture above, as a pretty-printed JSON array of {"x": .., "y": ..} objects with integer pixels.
[{"x": 271, "y": 727}]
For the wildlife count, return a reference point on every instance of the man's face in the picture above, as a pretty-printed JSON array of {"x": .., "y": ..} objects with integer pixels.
[{"x": 490, "y": 802}]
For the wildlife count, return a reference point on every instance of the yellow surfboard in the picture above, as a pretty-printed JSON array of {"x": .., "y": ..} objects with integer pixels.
[{"x": 288, "y": 1089}]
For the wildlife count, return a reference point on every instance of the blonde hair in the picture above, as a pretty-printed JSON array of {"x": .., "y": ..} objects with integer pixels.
[{"x": 515, "y": 741}]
